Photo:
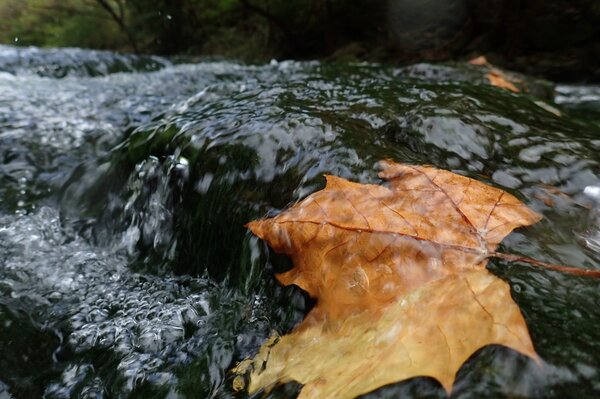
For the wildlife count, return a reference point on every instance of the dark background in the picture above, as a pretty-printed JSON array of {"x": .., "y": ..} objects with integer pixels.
[{"x": 559, "y": 40}]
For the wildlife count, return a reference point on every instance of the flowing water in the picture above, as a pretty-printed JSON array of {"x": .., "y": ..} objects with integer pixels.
[{"x": 125, "y": 269}]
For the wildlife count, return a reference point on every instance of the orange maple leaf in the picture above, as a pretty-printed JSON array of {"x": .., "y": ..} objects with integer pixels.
[
  {"x": 499, "y": 79},
  {"x": 400, "y": 281}
]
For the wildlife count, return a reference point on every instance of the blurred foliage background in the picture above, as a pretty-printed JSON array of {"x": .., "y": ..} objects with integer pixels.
[
  {"x": 553, "y": 38},
  {"x": 253, "y": 30}
]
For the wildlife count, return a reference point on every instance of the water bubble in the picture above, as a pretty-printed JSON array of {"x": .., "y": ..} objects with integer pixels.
[{"x": 517, "y": 288}]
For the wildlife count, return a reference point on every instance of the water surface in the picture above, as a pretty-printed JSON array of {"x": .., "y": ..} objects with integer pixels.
[{"x": 125, "y": 270}]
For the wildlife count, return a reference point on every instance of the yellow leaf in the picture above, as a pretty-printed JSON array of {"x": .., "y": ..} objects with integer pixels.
[
  {"x": 400, "y": 281},
  {"x": 428, "y": 332}
]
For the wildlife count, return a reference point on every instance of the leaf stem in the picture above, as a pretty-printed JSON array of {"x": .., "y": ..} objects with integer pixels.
[{"x": 561, "y": 268}]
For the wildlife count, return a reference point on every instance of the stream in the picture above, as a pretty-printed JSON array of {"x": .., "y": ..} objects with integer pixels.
[{"x": 125, "y": 182}]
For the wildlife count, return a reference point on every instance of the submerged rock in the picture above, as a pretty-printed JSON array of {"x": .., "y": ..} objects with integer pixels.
[
  {"x": 260, "y": 138},
  {"x": 126, "y": 269}
]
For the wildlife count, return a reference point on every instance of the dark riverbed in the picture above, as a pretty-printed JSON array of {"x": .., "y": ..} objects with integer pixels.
[{"x": 125, "y": 270}]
